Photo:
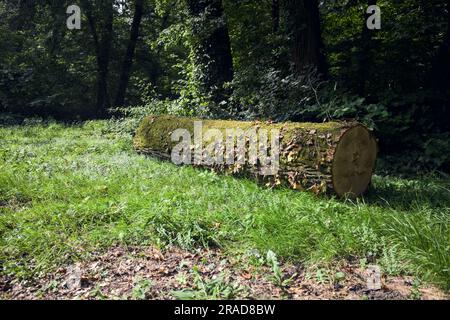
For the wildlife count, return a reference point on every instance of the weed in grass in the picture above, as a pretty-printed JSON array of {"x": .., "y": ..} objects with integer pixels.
[
  {"x": 339, "y": 277},
  {"x": 322, "y": 276},
  {"x": 277, "y": 275},
  {"x": 218, "y": 287},
  {"x": 415, "y": 292},
  {"x": 97, "y": 293},
  {"x": 142, "y": 289}
]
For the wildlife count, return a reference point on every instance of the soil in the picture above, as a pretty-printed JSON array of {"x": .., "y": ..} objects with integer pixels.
[{"x": 148, "y": 273}]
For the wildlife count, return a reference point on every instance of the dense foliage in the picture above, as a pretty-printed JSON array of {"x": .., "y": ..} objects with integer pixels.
[{"x": 281, "y": 60}]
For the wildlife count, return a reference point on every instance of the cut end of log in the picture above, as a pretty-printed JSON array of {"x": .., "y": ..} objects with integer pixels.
[{"x": 354, "y": 162}]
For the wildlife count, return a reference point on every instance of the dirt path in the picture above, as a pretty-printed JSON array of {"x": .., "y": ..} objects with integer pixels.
[{"x": 147, "y": 273}]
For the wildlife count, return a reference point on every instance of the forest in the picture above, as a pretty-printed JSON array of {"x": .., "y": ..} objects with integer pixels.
[
  {"x": 78, "y": 76},
  {"x": 241, "y": 59}
]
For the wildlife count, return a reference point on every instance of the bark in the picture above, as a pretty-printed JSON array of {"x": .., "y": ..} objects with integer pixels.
[
  {"x": 102, "y": 37},
  {"x": 58, "y": 14},
  {"x": 304, "y": 25},
  {"x": 441, "y": 65},
  {"x": 213, "y": 47},
  {"x": 275, "y": 15},
  {"x": 128, "y": 59},
  {"x": 334, "y": 157},
  {"x": 364, "y": 54}
]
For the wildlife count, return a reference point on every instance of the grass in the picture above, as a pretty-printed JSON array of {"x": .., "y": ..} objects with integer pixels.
[{"x": 67, "y": 190}]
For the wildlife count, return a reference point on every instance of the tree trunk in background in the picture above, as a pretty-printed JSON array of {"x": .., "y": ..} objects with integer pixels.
[
  {"x": 441, "y": 65},
  {"x": 212, "y": 47},
  {"x": 364, "y": 54},
  {"x": 303, "y": 23},
  {"x": 439, "y": 82},
  {"x": 102, "y": 36},
  {"x": 58, "y": 14},
  {"x": 275, "y": 15},
  {"x": 128, "y": 60},
  {"x": 106, "y": 29}
]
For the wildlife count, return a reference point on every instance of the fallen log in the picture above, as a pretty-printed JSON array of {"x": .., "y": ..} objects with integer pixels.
[{"x": 332, "y": 157}]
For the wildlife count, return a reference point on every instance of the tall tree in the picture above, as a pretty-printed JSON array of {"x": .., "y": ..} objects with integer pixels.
[
  {"x": 212, "y": 46},
  {"x": 101, "y": 27},
  {"x": 303, "y": 24},
  {"x": 441, "y": 65},
  {"x": 128, "y": 59},
  {"x": 275, "y": 15},
  {"x": 365, "y": 49}
]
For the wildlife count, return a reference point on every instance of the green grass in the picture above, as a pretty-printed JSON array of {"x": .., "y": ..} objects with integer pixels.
[{"x": 66, "y": 191}]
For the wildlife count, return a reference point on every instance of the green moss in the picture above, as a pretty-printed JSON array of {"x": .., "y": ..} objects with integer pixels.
[{"x": 154, "y": 131}]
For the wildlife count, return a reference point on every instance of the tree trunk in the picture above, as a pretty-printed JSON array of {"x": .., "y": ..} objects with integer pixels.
[
  {"x": 441, "y": 65},
  {"x": 364, "y": 54},
  {"x": 303, "y": 22},
  {"x": 275, "y": 15},
  {"x": 334, "y": 157},
  {"x": 212, "y": 47},
  {"x": 102, "y": 36},
  {"x": 128, "y": 60},
  {"x": 103, "y": 59}
]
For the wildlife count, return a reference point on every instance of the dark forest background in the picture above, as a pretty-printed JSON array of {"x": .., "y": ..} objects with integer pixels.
[{"x": 298, "y": 60}]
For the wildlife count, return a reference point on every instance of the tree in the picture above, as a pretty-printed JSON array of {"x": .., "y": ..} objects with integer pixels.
[
  {"x": 128, "y": 59},
  {"x": 441, "y": 65},
  {"x": 303, "y": 24},
  {"x": 364, "y": 52},
  {"x": 275, "y": 15},
  {"x": 101, "y": 27},
  {"x": 212, "y": 47}
]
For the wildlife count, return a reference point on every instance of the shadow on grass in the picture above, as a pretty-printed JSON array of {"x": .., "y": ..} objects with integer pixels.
[
  {"x": 409, "y": 194},
  {"x": 13, "y": 121}
]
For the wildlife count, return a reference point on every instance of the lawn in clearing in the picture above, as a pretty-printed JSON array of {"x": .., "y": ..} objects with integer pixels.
[{"x": 69, "y": 190}]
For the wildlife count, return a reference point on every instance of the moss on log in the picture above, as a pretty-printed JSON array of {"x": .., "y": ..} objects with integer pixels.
[{"x": 331, "y": 157}]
